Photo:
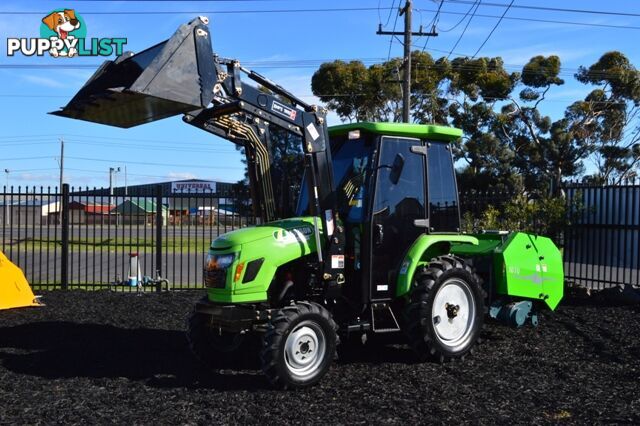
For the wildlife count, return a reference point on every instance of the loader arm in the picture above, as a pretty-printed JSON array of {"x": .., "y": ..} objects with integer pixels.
[
  {"x": 182, "y": 76},
  {"x": 242, "y": 113}
]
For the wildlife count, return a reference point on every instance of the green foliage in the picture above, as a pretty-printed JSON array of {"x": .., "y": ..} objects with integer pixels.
[
  {"x": 606, "y": 120},
  {"x": 358, "y": 93},
  {"x": 544, "y": 216},
  {"x": 508, "y": 142},
  {"x": 342, "y": 86},
  {"x": 542, "y": 72},
  {"x": 489, "y": 219}
]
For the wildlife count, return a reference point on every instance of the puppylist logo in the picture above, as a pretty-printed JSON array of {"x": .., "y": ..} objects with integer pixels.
[{"x": 63, "y": 33}]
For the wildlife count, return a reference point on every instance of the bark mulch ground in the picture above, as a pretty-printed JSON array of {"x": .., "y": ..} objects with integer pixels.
[{"x": 101, "y": 357}]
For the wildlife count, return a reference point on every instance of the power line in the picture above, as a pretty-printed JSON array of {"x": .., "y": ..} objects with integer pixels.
[
  {"x": 315, "y": 10},
  {"x": 552, "y": 9},
  {"x": 362, "y": 9},
  {"x": 27, "y": 158},
  {"x": 395, "y": 23},
  {"x": 146, "y": 147},
  {"x": 295, "y": 63},
  {"x": 2, "y": 144},
  {"x": 155, "y": 145},
  {"x": 547, "y": 21},
  {"x": 104, "y": 172},
  {"x": 564, "y": 71},
  {"x": 433, "y": 24},
  {"x": 493, "y": 29},
  {"x": 211, "y": 12},
  {"x": 388, "y": 16},
  {"x": 465, "y": 28},
  {"x": 142, "y": 163},
  {"x": 35, "y": 170},
  {"x": 461, "y": 19},
  {"x": 176, "y": 1}
]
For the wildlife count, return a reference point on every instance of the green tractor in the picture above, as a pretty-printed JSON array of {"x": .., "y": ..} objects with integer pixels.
[{"x": 375, "y": 245}]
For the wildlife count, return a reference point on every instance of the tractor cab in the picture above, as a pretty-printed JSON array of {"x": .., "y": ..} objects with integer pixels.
[{"x": 393, "y": 182}]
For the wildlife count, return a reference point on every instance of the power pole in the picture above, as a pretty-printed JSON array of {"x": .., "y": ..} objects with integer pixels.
[
  {"x": 61, "y": 162},
  {"x": 60, "y": 203},
  {"x": 6, "y": 189},
  {"x": 112, "y": 171},
  {"x": 406, "y": 63},
  {"x": 406, "y": 76}
]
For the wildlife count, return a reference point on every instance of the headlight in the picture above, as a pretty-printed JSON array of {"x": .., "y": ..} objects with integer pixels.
[{"x": 219, "y": 261}]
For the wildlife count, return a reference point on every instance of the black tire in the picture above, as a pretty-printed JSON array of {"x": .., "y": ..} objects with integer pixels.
[
  {"x": 428, "y": 335},
  {"x": 306, "y": 326},
  {"x": 214, "y": 349}
]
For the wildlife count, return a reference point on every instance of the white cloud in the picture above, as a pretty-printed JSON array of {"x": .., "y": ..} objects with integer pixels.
[
  {"x": 569, "y": 93},
  {"x": 181, "y": 175},
  {"x": 30, "y": 177},
  {"x": 522, "y": 54},
  {"x": 43, "y": 81}
]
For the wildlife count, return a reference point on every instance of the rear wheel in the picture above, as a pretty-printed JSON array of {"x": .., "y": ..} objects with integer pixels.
[
  {"x": 445, "y": 313},
  {"x": 299, "y": 345}
]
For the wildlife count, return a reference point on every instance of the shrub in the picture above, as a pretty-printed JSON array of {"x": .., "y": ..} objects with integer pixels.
[{"x": 545, "y": 216}]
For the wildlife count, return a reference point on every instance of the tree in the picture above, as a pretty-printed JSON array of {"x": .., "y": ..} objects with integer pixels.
[
  {"x": 507, "y": 141},
  {"x": 475, "y": 86},
  {"x": 607, "y": 118},
  {"x": 358, "y": 93}
]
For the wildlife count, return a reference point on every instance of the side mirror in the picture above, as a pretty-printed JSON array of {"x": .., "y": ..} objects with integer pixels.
[{"x": 396, "y": 169}]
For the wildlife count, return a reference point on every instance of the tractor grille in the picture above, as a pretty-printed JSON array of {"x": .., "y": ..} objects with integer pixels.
[{"x": 216, "y": 278}]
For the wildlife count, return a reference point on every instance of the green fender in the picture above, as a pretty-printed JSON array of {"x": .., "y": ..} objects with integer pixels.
[{"x": 424, "y": 248}]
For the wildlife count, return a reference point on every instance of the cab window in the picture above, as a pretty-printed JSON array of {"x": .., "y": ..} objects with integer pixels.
[{"x": 443, "y": 196}]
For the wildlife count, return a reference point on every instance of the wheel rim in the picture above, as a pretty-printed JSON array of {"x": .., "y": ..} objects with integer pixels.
[
  {"x": 305, "y": 349},
  {"x": 454, "y": 314}
]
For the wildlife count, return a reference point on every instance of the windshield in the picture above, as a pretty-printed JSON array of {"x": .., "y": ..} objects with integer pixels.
[{"x": 351, "y": 163}]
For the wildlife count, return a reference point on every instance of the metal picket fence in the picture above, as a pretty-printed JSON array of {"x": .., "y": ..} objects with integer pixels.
[
  {"x": 82, "y": 238},
  {"x": 602, "y": 236}
]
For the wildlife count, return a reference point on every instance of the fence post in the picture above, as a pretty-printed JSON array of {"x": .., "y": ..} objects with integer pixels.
[
  {"x": 159, "y": 221},
  {"x": 64, "y": 210}
]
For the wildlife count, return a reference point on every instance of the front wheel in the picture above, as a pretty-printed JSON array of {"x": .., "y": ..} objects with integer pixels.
[
  {"x": 299, "y": 346},
  {"x": 445, "y": 313}
]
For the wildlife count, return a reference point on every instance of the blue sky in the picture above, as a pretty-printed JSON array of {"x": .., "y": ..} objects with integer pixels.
[{"x": 270, "y": 43}]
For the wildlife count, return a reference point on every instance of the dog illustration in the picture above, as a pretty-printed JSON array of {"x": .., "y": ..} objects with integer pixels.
[{"x": 62, "y": 23}]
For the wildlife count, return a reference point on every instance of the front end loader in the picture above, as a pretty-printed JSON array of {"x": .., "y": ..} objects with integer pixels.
[{"x": 374, "y": 247}]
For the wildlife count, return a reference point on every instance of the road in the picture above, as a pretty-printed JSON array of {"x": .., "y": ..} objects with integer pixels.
[
  {"x": 43, "y": 267},
  {"x": 52, "y": 232}
]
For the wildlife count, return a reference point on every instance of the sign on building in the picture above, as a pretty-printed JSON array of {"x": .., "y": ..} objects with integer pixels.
[{"x": 193, "y": 187}]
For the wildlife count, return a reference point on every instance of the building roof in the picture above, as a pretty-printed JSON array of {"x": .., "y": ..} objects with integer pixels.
[
  {"x": 137, "y": 205},
  {"x": 31, "y": 203},
  {"x": 149, "y": 189},
  {"x": 98, "y": 208}
]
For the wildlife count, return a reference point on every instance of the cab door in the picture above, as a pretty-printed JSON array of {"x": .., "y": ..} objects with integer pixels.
[{"x": 398, "y": 210}]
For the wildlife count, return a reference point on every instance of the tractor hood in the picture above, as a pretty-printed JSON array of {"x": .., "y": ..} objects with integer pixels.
[{"x": 295, "y": 229}]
